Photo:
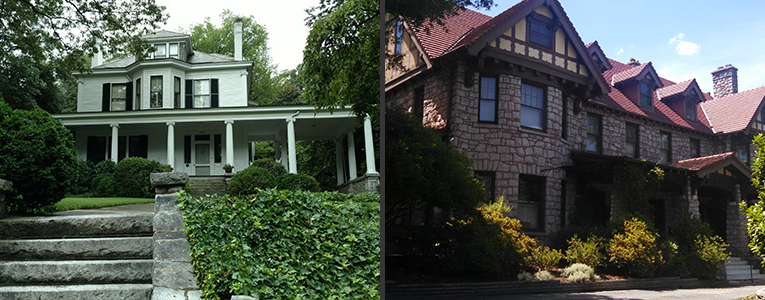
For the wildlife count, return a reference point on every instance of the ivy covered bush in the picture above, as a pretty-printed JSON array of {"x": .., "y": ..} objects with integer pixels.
[
  {"x": 284, "y": 245},
  {"x": 131, "y": 176},
  {"x": 250, "y": 180},
  {"x": 38, "y": 155}
]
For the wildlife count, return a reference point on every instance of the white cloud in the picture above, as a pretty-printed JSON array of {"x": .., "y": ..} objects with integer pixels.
[
  {"x": 620, "y": 51},
  {"x": 684, "y": 47}
]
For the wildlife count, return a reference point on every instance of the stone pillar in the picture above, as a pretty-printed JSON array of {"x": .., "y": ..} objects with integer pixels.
[
  {"x": 291, "y": 145},
  {"x": 369, "y": 146},
  {"x": 339, "y": 161},
  {"x": 6, "y": 187},
  {"x": 725, "y": 81},
  {"x": 115, "y": 142},
  {"x": 173, "y": 276},
  {"x": 229, "y": 142},
  {"x": 693, "y": 199},
  {"x": 171, "y": 143},
  {"x": 351, "y": 156}
]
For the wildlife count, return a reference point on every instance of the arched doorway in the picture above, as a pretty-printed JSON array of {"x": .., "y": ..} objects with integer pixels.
[{"x": 713, "y": 208}]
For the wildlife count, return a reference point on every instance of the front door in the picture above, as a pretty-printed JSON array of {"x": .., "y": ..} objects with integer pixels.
[{"x": 202, "y": 158}]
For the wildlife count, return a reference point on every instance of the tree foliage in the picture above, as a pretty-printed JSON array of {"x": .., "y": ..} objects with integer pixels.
[
  {"x": 341, "y": 58},
  {"x": 209, "y": 38},
  {"x": 431, "y": 11},
  {"x": 755, "y": 221}
]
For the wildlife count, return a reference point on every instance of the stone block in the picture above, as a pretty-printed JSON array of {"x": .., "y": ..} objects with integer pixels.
[
  {"x": 173, "y": 266},
  {"x": 170, "y": 235},
  {"x": 169, "y": 178},
  {"x": 172, "y": 250},
  {"x": 240, "y": 297},
  {"x": 174, "y": 280},
  {"x": 165, "y": 203},
  {"x": 168, "y": 221},
  {"x": 5, "y": 186},
  {"x": 162, "y": 293}
]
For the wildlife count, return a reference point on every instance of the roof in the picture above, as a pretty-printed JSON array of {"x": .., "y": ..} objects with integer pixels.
[
  {"x": 484, "y": 28},
  {"x": 733, "y": 112},
  {"x": 672, "y": 90},
  {"x": 628, "y": 74},
  {"x": 436, "y": 39},
  {"x": 710, "y": 164},
  {"x": 660, "y": 111},
  {"x": 163, "y": 34},
  {"x": 196, "y": 58}
]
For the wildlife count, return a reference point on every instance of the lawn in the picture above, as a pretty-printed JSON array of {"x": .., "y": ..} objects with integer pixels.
[{"x": 78, "y": 203}]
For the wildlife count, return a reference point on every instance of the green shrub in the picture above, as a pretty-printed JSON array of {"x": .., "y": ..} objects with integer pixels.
[
  {"x": 543, "y": 258},
  {"x": 543, "y": 275},
  {"x": 85, "y": 177},
  {"x": 38, "y": 155},
  {"x": 699, "y": 250},
  {"x": 635, "y": 251},
  {"x": 105, "y": 166},
  {"x": 710, "y": 252},
  {"x": 270, "y": 164},
  {"x": 586, "y": 252},
  {"x": 498, "y": 205},
  {"x": 525, "y": 276},
  {"x": 579, "y": 273},
  {"x": 284, "y": 245},
  {"x": 297, "y": 182},
  {"x": 131, "y": 176},
  {"x": 250, "y": 180},
  {"x": 104, "y": 185}
]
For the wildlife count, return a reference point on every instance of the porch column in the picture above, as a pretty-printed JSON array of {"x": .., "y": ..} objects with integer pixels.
[
  {"x": 229, "y": 141},
  {"x": 171, "y": 144},
  {"x": 693, "y": 199},
  {"x": 115, "y": 141},
  {"x": 351, "y": 156},
  {"x": 369, "y": 145},
  {"x": 339, "y": 161},
  {"x": 291, "y": 144}
]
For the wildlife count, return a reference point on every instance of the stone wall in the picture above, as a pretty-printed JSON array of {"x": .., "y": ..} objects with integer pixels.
[
  {"x": 369, "y": 184},
  {"x": 725, "y": 81}
]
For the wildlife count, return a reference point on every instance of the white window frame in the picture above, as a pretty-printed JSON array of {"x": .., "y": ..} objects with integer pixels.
[
  {"x": 195, "y": 95},
  {"x": 161, "y": 92},
  {"x": 111, "y": 97}
]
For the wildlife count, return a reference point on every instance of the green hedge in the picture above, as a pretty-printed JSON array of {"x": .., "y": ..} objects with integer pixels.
[
  {"x": 250, "y": 180},
  {"x": 284, "y": 245},
  {"x": 297, "y": 182},
  {"x": 131, "y": 177}
]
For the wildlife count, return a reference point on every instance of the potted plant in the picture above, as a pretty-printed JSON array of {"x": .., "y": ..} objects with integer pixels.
[{"x": 228, "y": 167}]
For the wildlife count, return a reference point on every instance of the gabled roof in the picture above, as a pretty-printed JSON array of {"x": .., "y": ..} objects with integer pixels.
[
  {"x": 660, "y": 111},
  {"x": 197, "y": 58},
  {"x": 163, "y": 34},
  {"x": 734, "y": 112},
  {"x": 710, "y": 164},
  {"x": 636, "y": 72},
  {"x": 595, "y": 50},
  {"x": 680, "y": 88},
  {"x": 436, "y": 40}
]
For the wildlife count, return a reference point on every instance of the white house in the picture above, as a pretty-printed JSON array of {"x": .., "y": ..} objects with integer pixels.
[{"x": 189, "y": 109}]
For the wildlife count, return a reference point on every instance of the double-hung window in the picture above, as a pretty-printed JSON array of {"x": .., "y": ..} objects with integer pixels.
[
  {"x": 532, "y": 106},
  {"x": 202, "y": 93},
  {"x": 119, "y": 96},
  {"x": 594, "y": 133},
  {"x": 665, "y": 147},
  {"x": 531, "y": 201},
  {"x": 632, "y": 144},
  {"x": 742, "y": 152},
  {"x": 156, "y": 92},
  {"x": 159, "y": 51},
  {"x": 690, "y": 109},
  {"x": 177, "y": 92},
  {"x": 487, "y": 105},
  {"x": 138, "y": 94},
  {"x": 173, "y": 50},
  {"x": 540, "y": 32},
  {"x": 646, "y": 94},
  {"x": 695, "y": 148},
  {"x": 399, "y": 36}
]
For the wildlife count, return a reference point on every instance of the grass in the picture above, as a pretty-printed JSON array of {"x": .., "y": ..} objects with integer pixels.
[{"x": 80, "y": 203}]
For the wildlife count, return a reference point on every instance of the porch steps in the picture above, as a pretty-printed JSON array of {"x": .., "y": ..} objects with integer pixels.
[
  {"x": 737, "y": 270},
  {"x": 201, "y": 186},
  {"x": 87, "y": 256}
]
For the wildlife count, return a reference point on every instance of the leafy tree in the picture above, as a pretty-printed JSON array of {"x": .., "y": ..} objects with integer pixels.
[
  {"x": 209, "y": 38},
  {"x": 755, "y": 221},
  {"x": 431, "y": 11},
  {"x": 291, "y": 87},
  {"x": 341, "y": 60}
]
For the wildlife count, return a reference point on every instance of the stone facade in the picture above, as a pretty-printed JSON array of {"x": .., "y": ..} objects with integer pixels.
[
  {"x": 369, "y": 184},
  {"x": 725, "y": 81}
]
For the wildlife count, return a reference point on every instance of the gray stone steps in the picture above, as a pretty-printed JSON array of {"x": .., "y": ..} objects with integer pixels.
[
  {"x": 75, "y": 272},
  {"x": 77, "y": 248},
  {"x": 200, "y": 186},
  {"x": 77, "y": 292},
  {"x": 737, "y": 269},
  {"x": 77, "y": 226}
]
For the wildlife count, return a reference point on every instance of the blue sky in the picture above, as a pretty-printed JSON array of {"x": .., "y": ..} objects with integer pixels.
[{"x": 683, "y": 39}]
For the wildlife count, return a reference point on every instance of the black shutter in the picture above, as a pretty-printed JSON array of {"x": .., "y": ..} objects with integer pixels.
[
  {"x": 93, "y": 149},
  {"x": 214, "y": 93},
  {"x": 129, "y": 96},
  {"x": 143, "y": 146},
  {"x": 186, "y": 149},
  {"x": 105, "y": 97},
  {"x": 189, "y": 94}
]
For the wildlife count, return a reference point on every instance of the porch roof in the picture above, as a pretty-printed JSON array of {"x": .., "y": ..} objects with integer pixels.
[{"x": 710, "y": 164}]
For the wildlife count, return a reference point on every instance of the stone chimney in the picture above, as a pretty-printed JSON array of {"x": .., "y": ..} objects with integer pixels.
[
  {"x": 238, "y": 39},
  {"x": 725, "y": 81},
  {"x": 633, "y": 62},
  {"x": 98, "y": 57}
]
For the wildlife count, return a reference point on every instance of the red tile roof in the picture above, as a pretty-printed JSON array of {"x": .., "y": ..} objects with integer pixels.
[
  {"x": 660, "y": 111},
  {"x": 625, "y": 75},
  {"x": 490, "y": 24},
  {"x": 440, "y": 38},
  {"x": 669, "y": 91},
  {"x": 699, "y": 163},
  {"x": 733, "y": 112}
]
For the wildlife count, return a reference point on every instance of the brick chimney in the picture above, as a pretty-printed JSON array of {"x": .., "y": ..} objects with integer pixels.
[
  {"x": 633, "y": 62},
  {"x": 725, "y": 81},
  {"x": 238, "y": 39}
]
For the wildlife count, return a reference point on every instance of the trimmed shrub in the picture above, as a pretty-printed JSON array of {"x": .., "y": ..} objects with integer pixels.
[
  {"x": 635, "y": 251},
  {"x": 105, "y": 166},
  {"x": 543, "y": 258},
  {"x": 579, "y": 273},
  {"x": 104, "y": 186},
  {"x": 270, "y": 164},
  {"x": 250, "y": 180},
  {"x": 296, "y": 182},
  {"x": 284, "y": 245},
  {"x": 38, "y": 155},
  {"x": 586, "y": 252},
  {"x": 85, "y": 177},
  {"x": 543, "y": 275},
  {"x": 131, "y": 176}
]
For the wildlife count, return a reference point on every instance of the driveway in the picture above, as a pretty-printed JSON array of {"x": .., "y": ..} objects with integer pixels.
[{"x": 727, "y": 293}]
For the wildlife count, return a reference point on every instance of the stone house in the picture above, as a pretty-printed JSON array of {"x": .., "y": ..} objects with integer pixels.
[
  {"x": 548, "y": 120},
  {"x": 190, "y": 109}
]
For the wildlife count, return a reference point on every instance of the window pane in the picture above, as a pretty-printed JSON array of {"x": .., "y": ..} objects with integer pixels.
[
  {"x": 531, "y": 117},
  {"x": 201, "y": 87},
  {"x": 592, "y": 142},
  {"x": 630, "y": 149},
  {"x": 540, "y": 33},
  {"x": 202, "y": 101},
  {"x": 532, "y": 96},
  {"x": 160, "y": 52},
  {"x": 593, "y": 124},
  {"x": 488, "y": 87},
  {"x": 530, "y": 201},
  {"x": 173, "y": 50},
  {"x": 119, "y": 90},
  {"x": 118, "y": 104},
  {"x": 690, "y": 110},
  {"x": 487, "y": 110},
  {"x": 156, "y": 91}
]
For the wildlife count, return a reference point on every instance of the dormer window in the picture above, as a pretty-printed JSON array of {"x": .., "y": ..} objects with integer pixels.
[
  {"x": 399, "y": 36},
  {"x": 690, "y": 109},
  {"x": 646, "y": 94},
  {"x": 159, "y": 51},
  {"x": 540, "y": 32},
  {"x": 165, "y": 50},
  {"x": 173, "y": 50}
]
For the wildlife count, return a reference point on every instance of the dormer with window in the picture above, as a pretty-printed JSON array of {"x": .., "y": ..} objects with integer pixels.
[
  {"x": 638, "y": 83},
  {"x": 683, "y": 98}
]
